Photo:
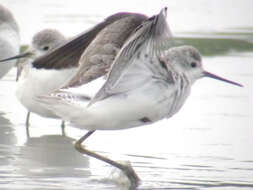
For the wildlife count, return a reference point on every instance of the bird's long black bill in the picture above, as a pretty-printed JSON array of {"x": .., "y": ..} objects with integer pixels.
[
  {"x": 207, "y": 74},
  {"x": 27, "y": 54}
]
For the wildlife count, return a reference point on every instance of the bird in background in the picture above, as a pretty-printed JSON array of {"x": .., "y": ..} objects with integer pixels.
[
  {"x": 32, "y": 83},
  {"x": 9, "y": 39}
]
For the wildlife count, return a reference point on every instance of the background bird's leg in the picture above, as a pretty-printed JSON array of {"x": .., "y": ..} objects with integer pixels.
[
  {"x": 27, "y": 119},
  {"x": 127, "y": 170},
  {"x": 63, "y": 128},
  {"x": 27, "y": 124}
]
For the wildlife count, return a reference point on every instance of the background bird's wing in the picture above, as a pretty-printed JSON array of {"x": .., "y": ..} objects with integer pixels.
[{"x": 137, "y": 60}]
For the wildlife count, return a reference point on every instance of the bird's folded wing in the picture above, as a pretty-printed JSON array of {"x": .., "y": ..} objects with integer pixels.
[
  {"x": 68, "y": 54},
  {"x": 133, "y": 64}
]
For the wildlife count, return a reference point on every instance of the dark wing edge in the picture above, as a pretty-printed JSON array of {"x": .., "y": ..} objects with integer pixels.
[
  {"x": 152, "y": 34},
  {"x": 68, "y": 54}
]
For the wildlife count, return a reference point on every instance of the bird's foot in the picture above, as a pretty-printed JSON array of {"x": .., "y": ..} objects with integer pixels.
[{"x": 125, "y": 175}]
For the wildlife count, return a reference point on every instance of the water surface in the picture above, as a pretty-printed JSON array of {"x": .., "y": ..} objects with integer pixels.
[{"x": 207, "y": 145}]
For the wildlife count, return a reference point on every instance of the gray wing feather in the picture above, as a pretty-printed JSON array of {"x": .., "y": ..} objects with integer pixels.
[{"x": 151, "y": 38}]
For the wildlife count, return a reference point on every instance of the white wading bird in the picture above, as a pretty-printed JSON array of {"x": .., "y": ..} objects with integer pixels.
[{"x": 147, "y": 82}]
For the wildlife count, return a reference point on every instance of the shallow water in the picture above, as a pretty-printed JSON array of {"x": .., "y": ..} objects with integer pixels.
[{"x": 207, "y": 145}]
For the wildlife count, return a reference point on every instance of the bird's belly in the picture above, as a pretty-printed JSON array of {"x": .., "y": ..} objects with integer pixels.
[{"x": 122, "y": 112}]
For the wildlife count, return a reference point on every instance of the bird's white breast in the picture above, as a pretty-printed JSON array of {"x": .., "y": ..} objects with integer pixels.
[{"x": 35, "y": 82}]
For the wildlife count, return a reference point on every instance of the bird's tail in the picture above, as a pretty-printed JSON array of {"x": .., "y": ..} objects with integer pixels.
[{"x": 64, "y": 104}]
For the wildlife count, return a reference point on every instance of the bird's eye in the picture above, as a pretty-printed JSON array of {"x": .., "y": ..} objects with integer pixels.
[
  {"x": 45, "y": 48},
  {"x": 193, "y": 64}
]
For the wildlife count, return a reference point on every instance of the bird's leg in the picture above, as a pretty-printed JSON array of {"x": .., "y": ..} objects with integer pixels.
[
  {"x": 127, "y": 170},
  {"x": 27, "y": 124},
  {"x": 27, "y": 118},
  {"x": 63, "y": 128}
]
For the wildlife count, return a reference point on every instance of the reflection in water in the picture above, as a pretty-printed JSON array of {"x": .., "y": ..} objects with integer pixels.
[
  {"x": 52, "y": 156},
  {"x": 8, "y": 149},
  {"x": 48, "y": 162},
  {"x": 205, "y": 146},
  {"x": 7, "y": 136}
]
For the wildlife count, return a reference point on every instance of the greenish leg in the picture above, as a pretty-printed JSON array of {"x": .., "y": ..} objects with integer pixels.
[
  {"x": 27, "y": 124},
  {"x": 127, "y": 170},
  {"x": 63, "y": 128}
]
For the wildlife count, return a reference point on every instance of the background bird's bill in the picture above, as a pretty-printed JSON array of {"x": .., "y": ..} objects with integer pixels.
[{"x": 23, "y": 55}]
